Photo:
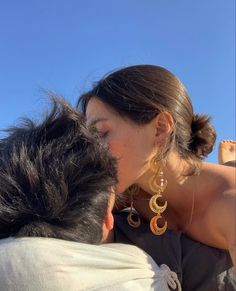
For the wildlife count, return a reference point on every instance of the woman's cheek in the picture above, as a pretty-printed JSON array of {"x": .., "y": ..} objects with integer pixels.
[{"x": 114, "y": 149}]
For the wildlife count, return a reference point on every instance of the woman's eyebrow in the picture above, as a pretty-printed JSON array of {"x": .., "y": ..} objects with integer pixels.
[{"x": 95, "y": 121}]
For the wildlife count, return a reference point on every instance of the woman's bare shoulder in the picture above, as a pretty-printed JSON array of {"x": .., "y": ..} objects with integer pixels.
[
  {"x": 215, "y": 205},
  {"x": 220, "y": 175}
]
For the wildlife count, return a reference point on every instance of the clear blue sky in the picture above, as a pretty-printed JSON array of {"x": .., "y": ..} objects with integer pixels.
[{"x": 64, "y": 46}]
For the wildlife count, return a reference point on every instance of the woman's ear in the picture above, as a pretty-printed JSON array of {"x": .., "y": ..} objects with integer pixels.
[{"x": 164, "y": 124}]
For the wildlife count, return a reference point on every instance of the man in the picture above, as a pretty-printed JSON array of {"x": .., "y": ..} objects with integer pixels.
[
  {"x": 56, "y": 180},
  {"x": 57, "y": 186}
]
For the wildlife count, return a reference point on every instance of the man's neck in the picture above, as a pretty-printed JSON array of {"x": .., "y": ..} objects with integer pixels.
[{"x": 109, "y": 238}]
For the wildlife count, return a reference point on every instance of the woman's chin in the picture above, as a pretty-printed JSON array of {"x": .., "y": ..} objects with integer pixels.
[{"x": 121, "y": 189}]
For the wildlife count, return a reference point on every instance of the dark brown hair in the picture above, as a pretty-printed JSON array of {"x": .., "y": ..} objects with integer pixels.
[{"x": 141, "y": 92}]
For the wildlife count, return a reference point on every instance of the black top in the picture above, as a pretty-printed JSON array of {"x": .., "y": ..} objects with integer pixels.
[{"x": 199, "y": 267}]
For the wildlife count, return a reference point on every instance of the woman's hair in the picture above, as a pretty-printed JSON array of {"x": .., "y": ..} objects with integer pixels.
[
  {"x": 55, "y": 178},
  {"x": 142, "y": 92}
]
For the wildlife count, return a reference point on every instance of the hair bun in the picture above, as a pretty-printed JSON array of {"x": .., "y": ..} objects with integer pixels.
[{"x": 203, "y": 136}]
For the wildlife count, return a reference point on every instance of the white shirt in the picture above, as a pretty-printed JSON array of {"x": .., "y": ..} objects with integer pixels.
[{"x": 40, "y": 264}]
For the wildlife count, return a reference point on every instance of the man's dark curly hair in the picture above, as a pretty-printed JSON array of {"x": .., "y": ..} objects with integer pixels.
[{"x": 55, "y": 178}]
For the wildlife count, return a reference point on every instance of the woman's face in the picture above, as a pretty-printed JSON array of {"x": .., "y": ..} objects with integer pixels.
[{"x": 130, "y": 143}]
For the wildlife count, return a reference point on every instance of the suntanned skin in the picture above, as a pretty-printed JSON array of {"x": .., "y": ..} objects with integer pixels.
[
  {"x": 213, "y": 218},
  {"x": 214, "y": 213},
  {"x": 227, "y": 153},
  {"x": 108, "y": 224}
]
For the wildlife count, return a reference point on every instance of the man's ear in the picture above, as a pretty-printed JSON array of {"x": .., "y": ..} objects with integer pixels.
[
  {"x": 109, "y": 221},
  {"x": 164, "y": 125},
  {"x": 107, "y": 226}
]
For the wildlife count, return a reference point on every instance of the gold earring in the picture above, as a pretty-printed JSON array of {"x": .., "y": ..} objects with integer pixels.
[
  {"x": 153, "y": 202},
  {"x": 134, "y": 223}
]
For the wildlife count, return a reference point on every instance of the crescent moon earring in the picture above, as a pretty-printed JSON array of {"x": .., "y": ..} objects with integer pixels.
[
  {"x": 134, "y": 223},
  {"x": 157, "y": 184}
]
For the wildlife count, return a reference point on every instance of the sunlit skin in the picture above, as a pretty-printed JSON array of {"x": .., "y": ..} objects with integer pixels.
[
  {"x": 227, "y": 153},
  {"x": 107, "y": 228},
  {"x": 125, "y": 140},
  {"x": 212, "y": 192}
]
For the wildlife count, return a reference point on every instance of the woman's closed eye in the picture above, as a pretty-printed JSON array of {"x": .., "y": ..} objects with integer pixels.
[{"x": 103, "y": 134}]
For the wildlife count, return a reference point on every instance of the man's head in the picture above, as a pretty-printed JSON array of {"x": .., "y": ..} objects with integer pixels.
[{"x": 56, "y": 179}]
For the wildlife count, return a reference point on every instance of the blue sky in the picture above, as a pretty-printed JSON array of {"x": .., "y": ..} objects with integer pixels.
[{"x": 64, "y": 46}]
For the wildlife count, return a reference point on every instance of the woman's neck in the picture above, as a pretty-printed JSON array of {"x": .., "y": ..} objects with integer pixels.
[{"x": 179, "y": 184}]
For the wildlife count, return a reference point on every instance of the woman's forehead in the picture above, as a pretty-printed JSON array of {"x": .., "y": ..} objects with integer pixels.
[{"x": 98, "y": 111}]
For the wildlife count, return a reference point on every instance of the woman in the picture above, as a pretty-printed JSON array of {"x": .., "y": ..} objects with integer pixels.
[{"x": 146, "y": 117}]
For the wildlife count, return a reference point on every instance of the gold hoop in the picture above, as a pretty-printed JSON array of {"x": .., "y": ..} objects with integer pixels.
[
  {"x": 155, "y": 228},
  {"x": 155, "y": 207},
  {"x": 154, "y": 166},
  {"x": 134, "y": 223},
  {"x": 157, "y": 184},
  {"x": 154, "y": 186}
]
